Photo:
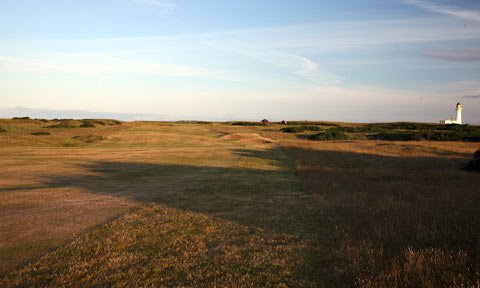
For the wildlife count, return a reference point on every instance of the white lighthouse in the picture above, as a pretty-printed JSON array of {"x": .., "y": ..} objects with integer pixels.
[
  {"x": 454, "y": 121},
  {"x": 459, "y": 113}
]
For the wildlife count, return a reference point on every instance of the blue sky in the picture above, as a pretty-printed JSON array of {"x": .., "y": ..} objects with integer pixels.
[{"x": 359, "y": 61}]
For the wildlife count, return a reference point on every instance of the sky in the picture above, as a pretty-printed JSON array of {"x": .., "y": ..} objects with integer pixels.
[{"x": 353, "y": 61}]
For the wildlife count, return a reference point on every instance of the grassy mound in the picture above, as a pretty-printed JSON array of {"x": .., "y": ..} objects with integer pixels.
[
  {"x": 39, "y": 133},
  {"x": 330, "y": 134}
]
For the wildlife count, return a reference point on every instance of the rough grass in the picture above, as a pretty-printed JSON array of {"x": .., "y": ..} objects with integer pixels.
[
  {"x": 402, "y": 212},
  {"x": 2, "y": 130}
]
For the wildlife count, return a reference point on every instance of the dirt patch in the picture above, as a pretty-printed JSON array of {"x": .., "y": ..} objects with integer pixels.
[{"x": 247, "y": 138}]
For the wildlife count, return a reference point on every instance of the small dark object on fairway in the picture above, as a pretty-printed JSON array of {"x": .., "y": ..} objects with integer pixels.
[
  {"x": 39, "y": 133},
  {"x": 474, "y": 165},
  {"x": 2, "y": 130},
  {"x": 265, "y": 122}
]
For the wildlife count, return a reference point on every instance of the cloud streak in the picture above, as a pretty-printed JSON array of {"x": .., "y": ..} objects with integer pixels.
[
  {"x": 443, "y": 9},
  {"x": 166, "y": 6},
  {"x": 460, "y": 55},
  {"x": 476, "y": 97}
]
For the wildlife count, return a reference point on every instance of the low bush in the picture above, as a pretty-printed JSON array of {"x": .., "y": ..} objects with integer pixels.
[
  {"x": 63, "y": 124},
  {"x": 404, "y": 126},
  {"x": 429, "y": 135},
  {"x": 87, "y": 124},
  {"x": 299, "y": 129},
  {"x": 2, "y": 130},
  {"x": 329, "y": 134},
  {"x": 247, "y": 123},
  {"x": 39, "y": 133},
  {"x": 396, "y": 136},
  {"x": 304, "y": 123},
  {"x": 21, "y": 118},
  {"x": 89, "y": 138}
]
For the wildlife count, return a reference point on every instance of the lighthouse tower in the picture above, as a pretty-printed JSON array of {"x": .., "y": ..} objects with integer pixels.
[{"x": 459, "y": 113}]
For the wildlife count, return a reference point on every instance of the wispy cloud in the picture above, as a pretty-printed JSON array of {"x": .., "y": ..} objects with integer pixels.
[
  {"x": 28, "y": 65},
  {"x": 166, "y": 6},
  {"x": 444, "y": 9},
  {"x": 476, "y": 97},
  {"x": 465, "y": 54},
  {"x": 291, "y": 63},
  {"x": 100, "y": 67}
]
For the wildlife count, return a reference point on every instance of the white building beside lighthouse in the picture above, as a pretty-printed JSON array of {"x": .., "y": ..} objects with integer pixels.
[{"x": 454, "y": 121}]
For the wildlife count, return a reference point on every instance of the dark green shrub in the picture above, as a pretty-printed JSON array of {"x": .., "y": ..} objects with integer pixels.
[
  {"x": 299, "y": 129},
  {"x": 304, "y": 123},
  {"x": 404, "y": 126},
  {"x": 39, "y": 133},
  {"x": 87, "y": 124},
  {"x": 89, "y": 138},
  {"x": 429, "y": 135},
  {"x": 330, "y": 134},
  {"x": 247, "y": 124},
  {"x": 21, "y": 118},
  {"x": 396, "y": 136},
  {"x": 62, "y": 124}
]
